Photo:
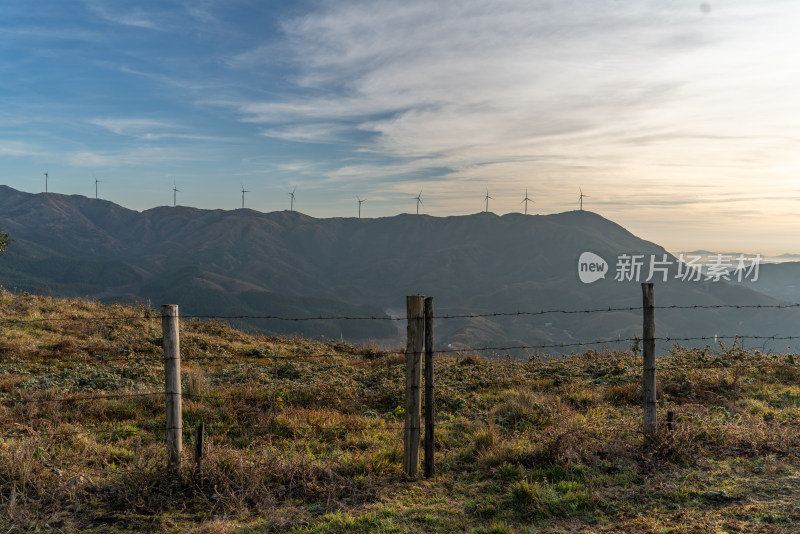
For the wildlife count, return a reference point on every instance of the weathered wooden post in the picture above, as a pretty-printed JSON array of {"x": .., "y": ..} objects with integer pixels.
[
  {"x": 414, "y": 309},
  {"x": 430, "y": 409},
  {"x": 172, "y": 381},
  {"x": 649, "y": 353}
]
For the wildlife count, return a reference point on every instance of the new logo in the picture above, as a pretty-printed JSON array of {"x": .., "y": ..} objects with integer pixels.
[{"x": 591, "y": 267}]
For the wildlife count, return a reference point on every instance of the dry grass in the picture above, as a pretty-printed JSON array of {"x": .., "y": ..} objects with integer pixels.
[{"x": 305, "y": 436}]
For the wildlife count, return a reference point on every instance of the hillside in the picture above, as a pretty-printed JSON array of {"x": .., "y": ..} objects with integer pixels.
[
  {"x": 780, "y": 280},
  {"x": 243, "y": 262},
  {"x": 305, "y": 436}
]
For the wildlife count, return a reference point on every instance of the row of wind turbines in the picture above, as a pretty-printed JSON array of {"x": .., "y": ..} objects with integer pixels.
[
  {"x": 418, "y": 198},
  {"x": 487, "y": 198},
  {"x": 291, "y": 202},
  {"x": 96, "y": 181}
]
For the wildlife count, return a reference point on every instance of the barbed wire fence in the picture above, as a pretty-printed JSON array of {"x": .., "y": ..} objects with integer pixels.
[{"x": 420, "y": 319}]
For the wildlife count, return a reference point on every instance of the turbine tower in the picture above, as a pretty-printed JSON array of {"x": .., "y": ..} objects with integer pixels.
[
  {"x": 582, "y": 197},
  {"x": 291, "y": 205},
  {"x": 419, "y": 200},
  {"x": 243, "y": 192},
  {"x": 526, "y": 200},
  {"x": 45, "y": 182},
  {"x": 360, "y": 201},
  {"x": 175, "y": 192},
  {"x": 487, "y": 200},
  {"x": 96, "y": 181}
]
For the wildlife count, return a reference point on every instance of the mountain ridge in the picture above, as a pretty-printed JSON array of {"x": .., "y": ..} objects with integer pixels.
[{"x": 480, "y": 263}]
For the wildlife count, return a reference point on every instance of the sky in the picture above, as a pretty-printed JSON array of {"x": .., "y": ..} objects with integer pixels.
[{"x": 679, "y": 120}]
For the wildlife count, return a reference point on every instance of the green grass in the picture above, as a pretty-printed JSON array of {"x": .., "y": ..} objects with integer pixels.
[{"x": 306, "y": 436}]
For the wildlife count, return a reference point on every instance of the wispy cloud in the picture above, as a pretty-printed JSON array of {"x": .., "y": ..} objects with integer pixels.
[
  {"x": 467, "y": 84},
  {"x": 149, "y": 156},
  {"x": 174, "y": 81},
  {"x": 125, "y": 15},
  {"x": 10, "y": 147},
  {"x": 308, "y": 133},
  {"x": 191, "y": 137},
  {"x": 56, "y": 34},
  {"x": 130, "y": 126},
  {"x": 153, "y": 129}
]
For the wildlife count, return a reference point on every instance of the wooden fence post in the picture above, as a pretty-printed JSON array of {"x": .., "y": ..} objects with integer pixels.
[
  {"x": 172, "y": 381},
  {"x": 649, "y": 353},
  {"x": 414, "y": 308},
  {"x": 430, "y": 408}
]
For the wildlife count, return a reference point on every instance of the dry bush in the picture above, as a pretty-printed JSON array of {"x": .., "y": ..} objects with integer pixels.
[
  {"x": 193, "y": 382},
  {"x": 32, "y": 486},
  {"x": 66, "y": 347},
  {"x": 484, "y": 439},
  {"x": 522, "y": 408},
  {"x": 372, "y": 352},
  {"x": 618, "y": 395},
  {"x": 469, "y": 359},
  {"x": 9, "y": 382},
  {"x": 216, "y": 526},
  {"x": 717, "y": 430},
  {"x": 232, "y": 481}
]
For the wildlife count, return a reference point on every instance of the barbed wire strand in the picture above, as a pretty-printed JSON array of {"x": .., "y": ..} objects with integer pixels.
[
  {"x": 506, "y": 348},
  {"x": 10, "y": 320}
]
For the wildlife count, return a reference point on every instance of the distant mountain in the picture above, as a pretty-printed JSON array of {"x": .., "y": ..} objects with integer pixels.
[
  {"x": 708, "y": 256},
  {"x": 244, "y": 262},
  {"x": 779, "y": 280}
]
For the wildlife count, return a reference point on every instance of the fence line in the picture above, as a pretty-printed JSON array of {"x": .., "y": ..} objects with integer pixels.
[
  {"x": 11, "y": 320},
  {"x": 386, "y": 352},
  {"x": 419, "y": 335},
  {"x": 664, "y": 363}
]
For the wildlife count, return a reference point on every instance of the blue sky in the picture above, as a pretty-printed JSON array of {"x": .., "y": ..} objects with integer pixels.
[{"x": 679, "y": 119}]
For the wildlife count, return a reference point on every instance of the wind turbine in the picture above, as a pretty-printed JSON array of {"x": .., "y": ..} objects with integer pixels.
[
  {"x": 96, "y": 181},
  {"x": 419, "y": 200},
  {"x": 582, "y": 197},
  {"x": 243, "y": 192},
  {"x": 359, "y": 205},
  {"x": 526, "y": 200},
  {"x": 487, "y": 200},
  {"x": 291, "y": 205},
  {"x": 175, "y": 192},
  {"x": 45, "y": 181}
]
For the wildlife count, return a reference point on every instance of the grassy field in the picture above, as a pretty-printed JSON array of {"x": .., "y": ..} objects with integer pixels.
[{"x": 305, "y": 436}]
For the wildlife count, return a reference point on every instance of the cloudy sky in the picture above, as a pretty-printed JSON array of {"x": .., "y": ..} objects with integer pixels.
[{"x": 679, "y": 119}]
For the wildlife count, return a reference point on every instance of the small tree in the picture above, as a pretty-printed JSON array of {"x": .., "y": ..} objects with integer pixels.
[{"x": 3, "y": 240}]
